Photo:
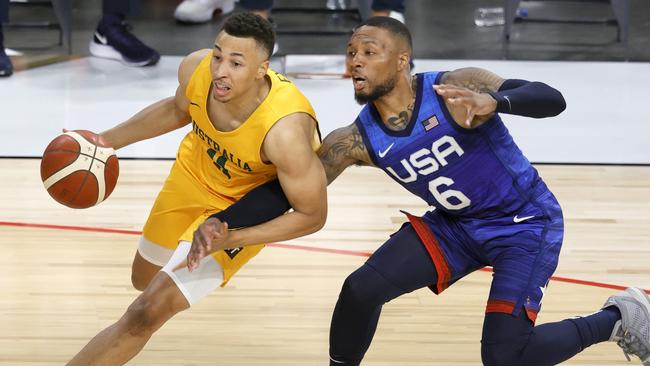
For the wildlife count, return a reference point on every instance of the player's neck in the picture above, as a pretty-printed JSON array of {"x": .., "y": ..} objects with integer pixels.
[
  {"x": 242, "y": 107},
  {"x": 396, "y": 107}
]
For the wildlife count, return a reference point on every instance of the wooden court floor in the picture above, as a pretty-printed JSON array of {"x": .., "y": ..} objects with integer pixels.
[{"x": 61, "y": 285}]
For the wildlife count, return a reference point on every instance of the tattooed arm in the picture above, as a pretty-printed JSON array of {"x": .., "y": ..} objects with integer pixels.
[
  {"x": 473, "y": 95},
  {"x": 473, "y": 78},
  {"x": 340, "y": 149}
]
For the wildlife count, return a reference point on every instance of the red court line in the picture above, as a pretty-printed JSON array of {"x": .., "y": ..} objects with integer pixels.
[
  {"x": 72, "y": 228},
  {"x": 136, "y": 232},
  {"x": 578, "y": 282},
  {"x": 289, "y": 246}
]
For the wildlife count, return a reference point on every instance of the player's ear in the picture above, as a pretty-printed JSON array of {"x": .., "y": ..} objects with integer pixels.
[
  {"x": 261, "y": 71},
  {"x": 403, "y": 61}
]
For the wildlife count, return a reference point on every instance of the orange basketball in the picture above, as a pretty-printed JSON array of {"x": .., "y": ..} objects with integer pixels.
[{"x": 78, "y": 170}]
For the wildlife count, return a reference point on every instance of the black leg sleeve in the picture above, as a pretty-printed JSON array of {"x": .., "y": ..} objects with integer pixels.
[{"x": 399, "y": 266}]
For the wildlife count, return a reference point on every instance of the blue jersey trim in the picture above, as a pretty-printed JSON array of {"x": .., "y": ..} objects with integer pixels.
[
  {"x": 366, "y": 140},
  {"x": 414, "y": 117}
]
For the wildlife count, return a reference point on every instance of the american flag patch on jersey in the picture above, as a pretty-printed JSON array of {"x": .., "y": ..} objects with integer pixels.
[{"x": 430, "y": 123}]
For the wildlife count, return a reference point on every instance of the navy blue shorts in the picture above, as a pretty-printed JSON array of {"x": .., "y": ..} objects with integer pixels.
[{"x": 522, "y": 248}]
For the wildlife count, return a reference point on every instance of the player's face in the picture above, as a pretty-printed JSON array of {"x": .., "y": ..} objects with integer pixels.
[
  {"x": 237, "y": 63},
  {"x": 372, "y": 61}
]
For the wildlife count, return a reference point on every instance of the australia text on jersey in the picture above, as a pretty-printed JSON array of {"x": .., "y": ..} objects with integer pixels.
[{"x": 218, "y": 155}]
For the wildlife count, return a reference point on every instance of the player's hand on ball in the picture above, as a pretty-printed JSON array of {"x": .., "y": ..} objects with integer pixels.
[
  {"x": 211, "y": 236},
  {"x": 476, "y": 104},
  {"x": 102, "y": 141}
]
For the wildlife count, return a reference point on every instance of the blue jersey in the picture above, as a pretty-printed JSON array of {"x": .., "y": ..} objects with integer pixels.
[{"x": 479, "y": 173}]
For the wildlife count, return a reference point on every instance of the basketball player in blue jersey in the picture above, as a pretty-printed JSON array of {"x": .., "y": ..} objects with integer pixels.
[{"x": 439, "y": 135}]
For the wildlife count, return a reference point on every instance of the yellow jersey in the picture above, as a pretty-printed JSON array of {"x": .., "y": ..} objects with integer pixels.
[{"x": 229, "y": 164}]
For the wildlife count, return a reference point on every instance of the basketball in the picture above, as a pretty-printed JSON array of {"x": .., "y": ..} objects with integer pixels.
[{"x": 79, "y": 171}]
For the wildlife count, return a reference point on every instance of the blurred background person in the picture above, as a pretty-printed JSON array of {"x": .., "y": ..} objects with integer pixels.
[
  {"x": 113, "y": 38},
  {"x": 6, "y": 68}
]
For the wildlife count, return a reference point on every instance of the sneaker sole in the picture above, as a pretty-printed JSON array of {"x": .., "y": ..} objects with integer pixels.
[{"x": 108, "y": 52}]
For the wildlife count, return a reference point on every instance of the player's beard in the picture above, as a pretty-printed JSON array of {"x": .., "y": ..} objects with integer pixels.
[{"x": 379, "y": 91}]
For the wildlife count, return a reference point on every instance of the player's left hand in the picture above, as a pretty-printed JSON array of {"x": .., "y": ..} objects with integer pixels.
[
  {"x": 477, "y": 104},
  {"x": 212, "y": 235}
]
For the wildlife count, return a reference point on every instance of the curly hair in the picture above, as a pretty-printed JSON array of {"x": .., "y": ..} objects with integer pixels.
[{"x": 251, "y": 25}]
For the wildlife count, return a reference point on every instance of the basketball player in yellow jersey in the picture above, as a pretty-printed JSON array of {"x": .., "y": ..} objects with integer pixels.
[{"x": 249, "y": 125}]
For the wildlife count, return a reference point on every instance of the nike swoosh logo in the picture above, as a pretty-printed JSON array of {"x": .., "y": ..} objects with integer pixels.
[
  {"x": 508, "y": 100},
  {"x": 518, "y": 219},
  {"x": 101, "y": 38},
  {"x": 383, "y": 153}
]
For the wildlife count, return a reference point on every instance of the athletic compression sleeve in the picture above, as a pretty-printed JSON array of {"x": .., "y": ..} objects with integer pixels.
[
  {"x": 260, "y": 205},
  {"x": 528, "y": 99}
]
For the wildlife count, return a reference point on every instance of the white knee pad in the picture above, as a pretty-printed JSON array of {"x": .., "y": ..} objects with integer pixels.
[{"x": 199, "y": 283}]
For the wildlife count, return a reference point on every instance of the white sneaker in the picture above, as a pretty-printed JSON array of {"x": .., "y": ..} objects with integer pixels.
[
  {"x": 200, "y": 11},
  {"x": 632, "y": 332}
]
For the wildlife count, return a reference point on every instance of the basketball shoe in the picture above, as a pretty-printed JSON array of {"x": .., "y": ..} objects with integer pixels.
[
  {"x": 632, "y": 332},
  {"x": 201, "y": 11},
  {"x": 113, "y": 40}
]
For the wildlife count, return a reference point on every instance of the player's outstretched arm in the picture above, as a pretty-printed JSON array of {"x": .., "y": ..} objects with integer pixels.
[
  {"x": 288, "y": 146},
  {"x": 473, "y": 95},
  {"x": 340, "y": 149},
  {"x": 161, "y": 117}
]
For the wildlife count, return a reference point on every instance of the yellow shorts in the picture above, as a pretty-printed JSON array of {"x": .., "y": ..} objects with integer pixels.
[{"x": 181, "y": 206}]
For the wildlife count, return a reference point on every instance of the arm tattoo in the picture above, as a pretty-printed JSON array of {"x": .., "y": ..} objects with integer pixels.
[
  {"x": 340, "y": 149},
  {"x": 474, "y": 79}
]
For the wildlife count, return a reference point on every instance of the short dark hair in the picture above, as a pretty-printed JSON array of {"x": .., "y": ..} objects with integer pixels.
[
  {"x": 392, "y": 25},
  {"x": 247, "y": 24}
]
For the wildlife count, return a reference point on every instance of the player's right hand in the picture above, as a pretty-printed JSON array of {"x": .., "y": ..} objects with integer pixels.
[
  {"x": 476, "y": 104},
  {"x": 209, "y": 237},
  {"x": 100, "y": 139}
]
